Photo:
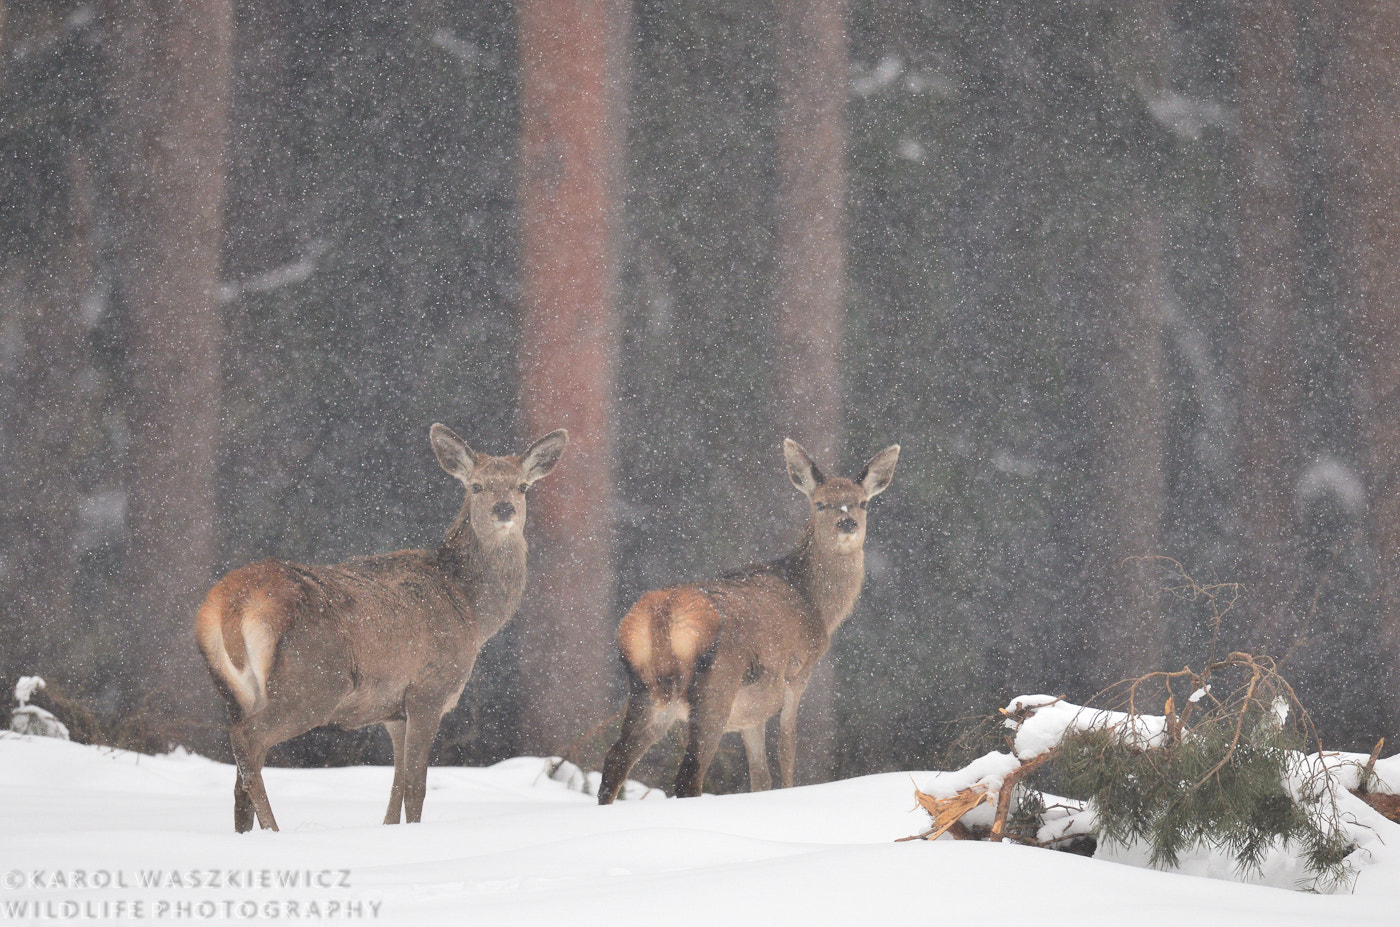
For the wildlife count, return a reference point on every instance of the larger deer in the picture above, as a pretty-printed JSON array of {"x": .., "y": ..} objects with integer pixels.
[
  {"x": 727, "y": 655},
  {"x": 389, "y": 639}
]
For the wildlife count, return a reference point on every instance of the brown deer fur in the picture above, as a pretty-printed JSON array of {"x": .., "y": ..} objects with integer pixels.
[
  {"x": 379, "y": 640},
  {"x": 729, "y": 654}
]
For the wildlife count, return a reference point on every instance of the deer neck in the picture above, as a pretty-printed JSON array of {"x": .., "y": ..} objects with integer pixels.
[
  {"x": 490, "y": 574},
  {"x": 829, "y": 580}
]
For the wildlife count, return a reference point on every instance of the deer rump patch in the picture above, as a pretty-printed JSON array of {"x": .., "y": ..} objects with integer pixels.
[{"x": 666, "y": 634}]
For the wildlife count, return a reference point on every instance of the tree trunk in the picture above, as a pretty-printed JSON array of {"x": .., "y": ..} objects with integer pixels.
[
  {"x": 168, "y": 82},
  {"x": 1125, "y": 400},
  {"x": 263, "y": 450},
  {"x": 46, "y": 436},
  {"x": 813, "y": 84},
  {"x": 570, "y": 184},
  {"x": 1269, "y": 254},
  {"x": 1364, "y": 88},
  {"x": 1121, "y": 521},
  {"x": 259, "y": 234}
]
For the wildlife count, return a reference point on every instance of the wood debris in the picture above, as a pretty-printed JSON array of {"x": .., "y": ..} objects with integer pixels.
[{"x": 947, "y": 813}]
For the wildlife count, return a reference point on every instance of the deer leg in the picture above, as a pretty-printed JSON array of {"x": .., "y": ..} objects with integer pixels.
[
  {"x": 396, "y": 736},
  {"x": 787, "y": 731},
  {"x": 642, "y": 726},
  {"x": 420, "y": 731},
  {"x": 242, "y": 806},
  {"x": 711, "y": 700},
  {"x": 280, "y": 719},
  {"x": 249, "y": 793},
  {"x": 756, "y": 749}
]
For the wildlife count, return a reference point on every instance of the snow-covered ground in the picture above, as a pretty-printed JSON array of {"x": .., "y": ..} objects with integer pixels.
[{"x": 99, "y": 836}]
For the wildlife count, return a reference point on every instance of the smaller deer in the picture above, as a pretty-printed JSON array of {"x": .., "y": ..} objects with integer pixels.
[
  {"x": 385, "y": 640},
  {"x": 729, "y": 654}
]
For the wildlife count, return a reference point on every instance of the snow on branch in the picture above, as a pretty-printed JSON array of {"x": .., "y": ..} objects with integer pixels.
[
  {"x": 1041, "y": 722},
  {"x": 31, "y": 719},
  {"x": 1231, "y": 771},
  {"x": 1155, "y": 791}
]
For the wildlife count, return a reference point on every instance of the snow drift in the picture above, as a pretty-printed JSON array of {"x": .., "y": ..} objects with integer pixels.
[{"x": 103, "y": 836}]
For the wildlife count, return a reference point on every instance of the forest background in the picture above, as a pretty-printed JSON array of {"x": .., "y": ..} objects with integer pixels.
[{"x": 1122, "y": 278}]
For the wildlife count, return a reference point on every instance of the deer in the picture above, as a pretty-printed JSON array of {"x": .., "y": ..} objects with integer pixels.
[
  {"x": 388, "y": 639},
  {"x": 729, "y": 654}
]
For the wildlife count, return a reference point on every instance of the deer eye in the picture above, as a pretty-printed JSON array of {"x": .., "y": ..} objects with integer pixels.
[
  {"x": 523, "y": 487},
  {"x": 822, "y": 506},
  {"x": 862, "y": 505},
  {"x": 477, "y": 487}
]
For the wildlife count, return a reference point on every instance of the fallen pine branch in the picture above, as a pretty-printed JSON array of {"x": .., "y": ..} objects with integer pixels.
[{"x": 1008, "y": 786}]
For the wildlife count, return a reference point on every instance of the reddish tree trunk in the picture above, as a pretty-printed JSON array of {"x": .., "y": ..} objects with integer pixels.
[
  {"x": 168, "y": 70},
  {"x": 813, "y": 84},
  {"x": 811, "y": 261},
  {"x": 570, "y": 181}
]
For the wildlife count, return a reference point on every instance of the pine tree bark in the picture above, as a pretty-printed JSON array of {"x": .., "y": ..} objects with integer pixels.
[
  {"x": 1125, "y": 400},
  {"x": 813, "y": 84},
  {"x": 168, "y": 68},
  {"x": 571, "y": 108},
  {"x": 1269, "y": 256},
  {"x": 263, "y": 448},
  {"x": 259, "y": 234},
  {"x": 48, "y": 425},
  {"x": 1127, "y": 412},
  {"x": 1363, "y": 85}
]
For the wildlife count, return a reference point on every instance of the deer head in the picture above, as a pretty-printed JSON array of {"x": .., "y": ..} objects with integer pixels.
[
  {"x": 494, "y": 507},
  {"x": 839, "y": 505}
]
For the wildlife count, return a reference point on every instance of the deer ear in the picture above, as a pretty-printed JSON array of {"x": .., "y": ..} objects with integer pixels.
[
  {"x": 452, "y": 452},
  {"x": 543, "y": 455},
  {"x": 879, "y": 471},
  {"x": 805, "y": 474}
]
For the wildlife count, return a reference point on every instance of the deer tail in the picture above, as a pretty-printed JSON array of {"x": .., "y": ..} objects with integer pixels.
[
  {"x": 238, "y": 629},
  {"x": 665, "y": 635}
]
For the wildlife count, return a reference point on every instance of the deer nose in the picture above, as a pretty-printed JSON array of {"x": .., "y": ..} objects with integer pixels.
[
  {"x": 504, "y": 511},
  {"x": 846, "y": 525}
]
